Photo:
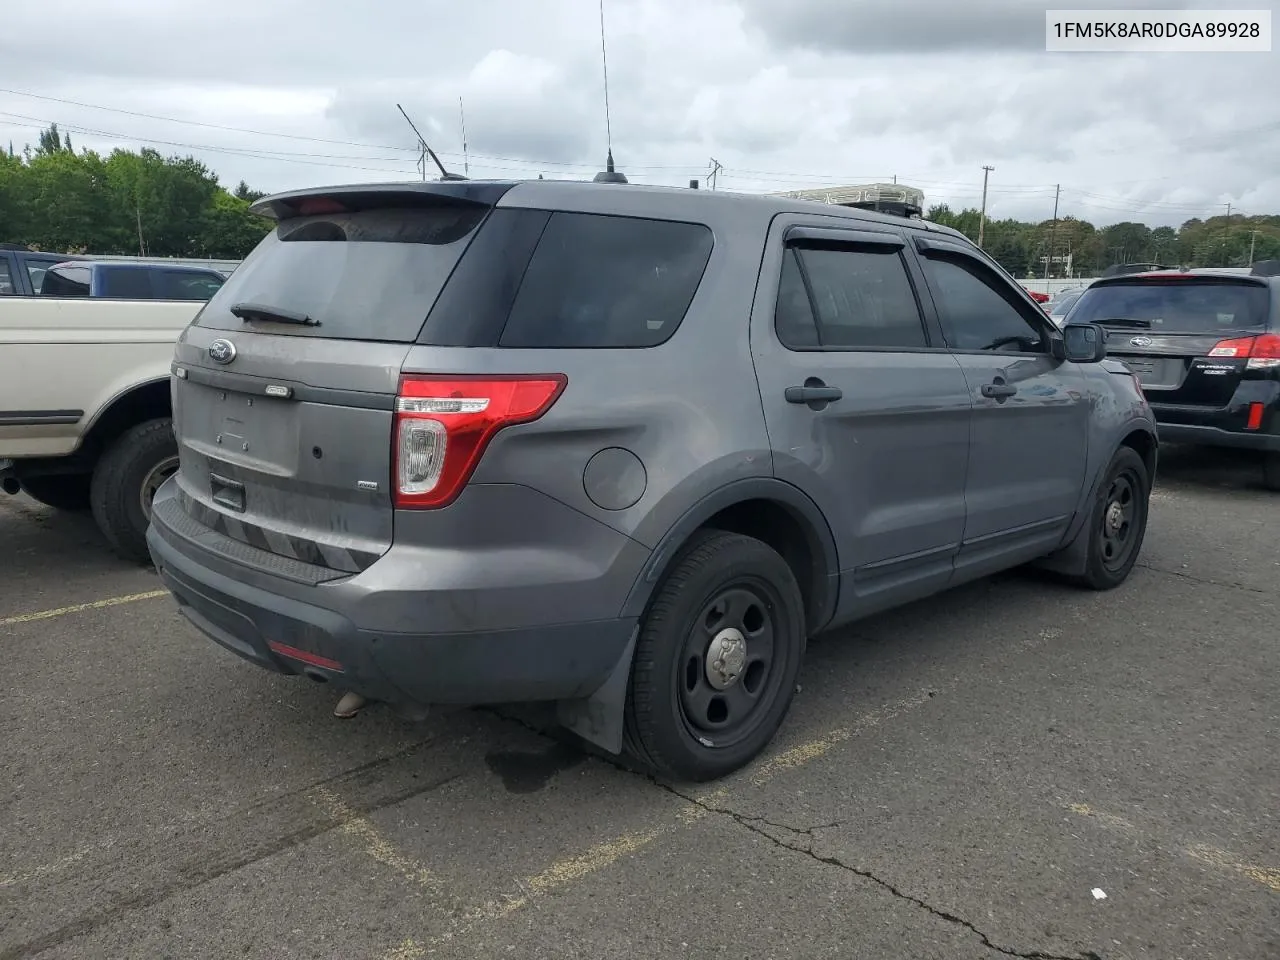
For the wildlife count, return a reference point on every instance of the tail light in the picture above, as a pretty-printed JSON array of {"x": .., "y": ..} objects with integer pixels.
[
  {"x": 1263, "y": 352},
  {"x": 444, "y": 423}
]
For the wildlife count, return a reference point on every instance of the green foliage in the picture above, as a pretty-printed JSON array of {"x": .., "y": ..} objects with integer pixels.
[
  {"x": 1019, "y": 246},
  {"x": 52, "y": 198}
]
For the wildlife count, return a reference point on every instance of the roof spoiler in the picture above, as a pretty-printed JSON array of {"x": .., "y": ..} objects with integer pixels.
[
  {"x": 1124, "y": 269},
  {"x": 374, "y": 196}
]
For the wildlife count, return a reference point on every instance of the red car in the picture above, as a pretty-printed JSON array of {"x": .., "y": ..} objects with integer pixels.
[{"x": 1039, "y": 297}]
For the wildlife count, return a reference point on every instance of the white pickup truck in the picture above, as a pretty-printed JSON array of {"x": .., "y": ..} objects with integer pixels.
[{"x": 85, "y": 415}]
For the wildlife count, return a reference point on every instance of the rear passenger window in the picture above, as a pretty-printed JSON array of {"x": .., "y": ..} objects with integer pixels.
[
  {"x": 854, "y": 297},
  {"x": 6, "y": 281},
  {"x": 976, "y": 315},
  {"x": 65, "y": 281},
  {"x": 126, "y": 283},
  {"x": 606, "y": 281}
]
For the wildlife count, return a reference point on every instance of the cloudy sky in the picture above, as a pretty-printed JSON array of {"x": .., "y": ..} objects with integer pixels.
[{"x": 785, "y": 94}]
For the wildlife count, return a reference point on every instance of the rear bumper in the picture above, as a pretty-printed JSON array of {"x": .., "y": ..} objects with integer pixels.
[
  {"x": 1216, "y": 428},
  {"x": 290, "y": 628},
  {"x": 1207, "y": 436}
]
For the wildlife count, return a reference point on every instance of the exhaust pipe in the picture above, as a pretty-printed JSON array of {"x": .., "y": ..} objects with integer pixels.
[{"x": 11, "y": 486}]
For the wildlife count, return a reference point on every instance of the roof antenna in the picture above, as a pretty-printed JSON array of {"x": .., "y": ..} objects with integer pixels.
[
  {"x": 426, "y": 151},
  {"x": 608, "y": 174}
]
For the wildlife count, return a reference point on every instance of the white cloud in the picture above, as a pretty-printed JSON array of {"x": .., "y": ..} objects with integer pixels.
[{"x": 784, "y": 95}]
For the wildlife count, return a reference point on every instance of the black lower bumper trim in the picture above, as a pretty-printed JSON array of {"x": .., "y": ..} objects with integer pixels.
[
  {"x": 1208, "y": 436},
  {"x": 558, "y": 662}
]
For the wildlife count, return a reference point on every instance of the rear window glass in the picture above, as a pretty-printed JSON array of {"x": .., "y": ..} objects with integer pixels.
[
  {"x": 367, "y": 275},
  {"x": 607, "y": 281},
  {"x": 1175, "y": 306},
  {"x": 185, "y": 285},
  {"x": 1066, "y": 303}
]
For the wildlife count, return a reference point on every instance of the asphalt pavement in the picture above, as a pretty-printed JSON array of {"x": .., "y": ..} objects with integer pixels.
[{"x": 1015, "y": 768}]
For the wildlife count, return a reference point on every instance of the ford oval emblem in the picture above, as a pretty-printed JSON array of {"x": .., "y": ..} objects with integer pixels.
[
  {"x": 222, "y": 351},
  {"x": 1136, "y": 341}
]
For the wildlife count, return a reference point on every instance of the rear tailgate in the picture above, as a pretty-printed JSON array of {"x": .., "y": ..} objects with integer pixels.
[
  {"x": 1186, "y": 336},
  {"x": 285, "y": 384}
]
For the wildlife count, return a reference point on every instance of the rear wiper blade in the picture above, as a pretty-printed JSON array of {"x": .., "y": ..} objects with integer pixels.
[
  {"x": 260, "y": 311},
  {"x": 1126, "y": 322}
]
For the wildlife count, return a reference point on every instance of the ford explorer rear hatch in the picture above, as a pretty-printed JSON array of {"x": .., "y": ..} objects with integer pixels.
[{"x": 286, "y": 382}]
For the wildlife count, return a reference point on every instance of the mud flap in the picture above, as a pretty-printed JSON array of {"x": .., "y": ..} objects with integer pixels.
[{"x": 598, "y": 719}]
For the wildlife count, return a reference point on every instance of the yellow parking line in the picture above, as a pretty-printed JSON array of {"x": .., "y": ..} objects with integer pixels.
[
  {"x": 48, "y": 868},
  {"x": 1203, "y": 852},
  {"x": 80, "y": 607},
  {"x": 375, "y": 844},
  {"x": 808, "y": 752},
  {"x": 570, "y": 870},
  {"x": 1267, "y": 876}
]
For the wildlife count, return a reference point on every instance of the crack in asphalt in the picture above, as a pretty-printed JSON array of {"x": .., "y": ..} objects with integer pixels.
[
  {"x": 758, "y": 825},
  {"x": 1201, "y": 580},
  {"x": 803, "y": 839}
]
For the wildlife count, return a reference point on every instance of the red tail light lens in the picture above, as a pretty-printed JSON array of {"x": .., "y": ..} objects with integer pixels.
[
  {"x": 1262, "y": 351},
  {"x": 443, "y": 425}
]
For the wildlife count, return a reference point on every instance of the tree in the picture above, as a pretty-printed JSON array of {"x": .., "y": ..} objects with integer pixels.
[
  {"x": 243, "y": 192},
  {"x": 52, "y": 198}
]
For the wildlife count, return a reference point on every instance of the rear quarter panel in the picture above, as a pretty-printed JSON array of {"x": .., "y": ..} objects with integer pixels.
[
  {"x": 77, "y": 355},
  {"x": 688, "y": 410}
]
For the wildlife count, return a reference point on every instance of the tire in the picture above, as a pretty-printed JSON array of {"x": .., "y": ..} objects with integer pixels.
[
  {"x": 1112, "y": 553},
  {"x": 125, "y": 479},
  {"x": 1271, "y": 471},
  {"x": 678, "y": 724},
  {"x": 62, "y": 491}
]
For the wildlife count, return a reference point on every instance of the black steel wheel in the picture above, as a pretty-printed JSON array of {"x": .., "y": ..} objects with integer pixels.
[
  {"x": 1118, "y": 523},
  {"x": 716, "y": 660}
]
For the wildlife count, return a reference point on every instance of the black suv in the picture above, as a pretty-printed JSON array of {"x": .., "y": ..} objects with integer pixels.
[{"x": 1206, "y": 346}]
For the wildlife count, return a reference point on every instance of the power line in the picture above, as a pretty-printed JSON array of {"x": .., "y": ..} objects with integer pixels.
[{"x": 1087, "y": 198}]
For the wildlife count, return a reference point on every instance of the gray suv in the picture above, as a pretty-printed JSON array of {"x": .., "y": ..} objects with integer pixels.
[{"x": 622, "y": 448}]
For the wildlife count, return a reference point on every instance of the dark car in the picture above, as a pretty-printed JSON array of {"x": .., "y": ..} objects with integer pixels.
[
  {"x": 1206, "y": 345},
  {"x": 129, "y": 281},
  {"x": 622, "y": 448}
]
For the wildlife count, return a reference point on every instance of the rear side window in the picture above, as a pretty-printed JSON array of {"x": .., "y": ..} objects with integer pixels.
[
  {"x": 854, "y": 298},
  {"x": 66, "y": 281},
  {"x": 1176, "y": 306},
  {"x": 606, "y": 281},
  {"x": 363, "y": 275},
  {"x": 126, "y": 283},
  {"x": 6, "y": 281}
]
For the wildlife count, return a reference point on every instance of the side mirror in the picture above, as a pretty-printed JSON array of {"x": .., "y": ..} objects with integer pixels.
[{"x": 1085, "y": 342}]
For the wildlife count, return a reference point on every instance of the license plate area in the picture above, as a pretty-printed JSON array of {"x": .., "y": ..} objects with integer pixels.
[
  {"x": 1157, "y": 371},
  {"x": 254, "y": 431}
]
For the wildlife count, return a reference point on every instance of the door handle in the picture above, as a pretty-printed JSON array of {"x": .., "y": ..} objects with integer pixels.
[
  {"x": 999, "y": 390},
  {"x": 813, "y": 393}
]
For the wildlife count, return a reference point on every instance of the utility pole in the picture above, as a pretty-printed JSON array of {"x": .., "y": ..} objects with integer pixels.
[
  {"x": 716, "y": 167},
  {"x": 466, "y": 162},
  {"x": 982, "y": 217},
  {"x": 1226, "y": 232},
  {"x": 1057, "y": 189},
  {"x": 1253, "y": 238}
]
